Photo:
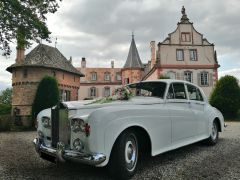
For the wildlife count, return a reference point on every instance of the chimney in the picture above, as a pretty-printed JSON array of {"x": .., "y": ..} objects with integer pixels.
[
  {"x": 83, "y": 63},
  {"x": 112, "y": 64},
  {"x": 70, "y": 60},
  {"x": 153, "y": 53},
  {"x": 20, "y": 55}
]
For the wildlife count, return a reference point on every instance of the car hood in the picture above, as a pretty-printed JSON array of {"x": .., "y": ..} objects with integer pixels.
[{"x": 90, "y": 104}]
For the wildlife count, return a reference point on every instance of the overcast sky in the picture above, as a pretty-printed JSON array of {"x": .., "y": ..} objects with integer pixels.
[{"x": 100, "y": 30}]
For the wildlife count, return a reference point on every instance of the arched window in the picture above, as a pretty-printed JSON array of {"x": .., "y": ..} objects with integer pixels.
[{"x": 171, "y": 75}]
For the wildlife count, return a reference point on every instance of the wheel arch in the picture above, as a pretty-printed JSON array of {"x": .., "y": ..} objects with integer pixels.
[
  {"x": 218, "y": 124},
  {"x": 143, "y": 137}
]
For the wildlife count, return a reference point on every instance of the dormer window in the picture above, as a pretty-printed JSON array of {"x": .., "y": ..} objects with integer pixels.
[
  {"x": 93, "y": 76},
  {"x": 185, "y": 37}
]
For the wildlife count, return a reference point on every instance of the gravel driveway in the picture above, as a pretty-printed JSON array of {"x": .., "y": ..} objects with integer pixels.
[{"x": 18, "y": 160}]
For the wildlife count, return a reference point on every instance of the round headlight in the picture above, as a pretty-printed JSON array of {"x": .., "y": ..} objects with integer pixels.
[
  {"x": 78, "y": 145},
  {"x": 78, "y": 125},
  {"x": 46, "y": 122}
]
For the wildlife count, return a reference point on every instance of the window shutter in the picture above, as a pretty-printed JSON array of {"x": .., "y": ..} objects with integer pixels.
[
  {"x": 198, "y": 79},
  {"x": 96, "y": 92},
  {"x": 182, "y": 76},
  {"x": 89, "y": 92},
  {"x": 210, "y": 79}
]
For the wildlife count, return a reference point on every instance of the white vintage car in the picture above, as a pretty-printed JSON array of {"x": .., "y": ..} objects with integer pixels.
[{"x": 162, "y": 115}]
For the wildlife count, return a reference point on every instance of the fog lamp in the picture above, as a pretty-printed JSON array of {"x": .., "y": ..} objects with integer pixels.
[
  {"x": 78, "y": 145},
  {"x": 40, "y": 134}
]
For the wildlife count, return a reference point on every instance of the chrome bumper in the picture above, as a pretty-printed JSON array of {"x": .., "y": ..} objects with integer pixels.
[{"x": 60, "y": 154}]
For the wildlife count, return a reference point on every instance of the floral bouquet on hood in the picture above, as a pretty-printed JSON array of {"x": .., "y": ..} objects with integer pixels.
[{"x": 122, "y": 93}]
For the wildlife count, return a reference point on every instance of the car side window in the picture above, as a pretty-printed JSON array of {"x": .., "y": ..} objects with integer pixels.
[
  {"x": 194, "y": 93},
  {"x": 176, "y": 91}
]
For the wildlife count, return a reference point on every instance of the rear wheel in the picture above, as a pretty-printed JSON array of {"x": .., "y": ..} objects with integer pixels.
[
  {"x": 124, "y": 156},
  {"x": 213, "y": 138}
]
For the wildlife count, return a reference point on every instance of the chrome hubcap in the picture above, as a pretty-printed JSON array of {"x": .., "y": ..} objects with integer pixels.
[
  {"x": 214, "y": 131},
  {"x": 131, "y": 153}
]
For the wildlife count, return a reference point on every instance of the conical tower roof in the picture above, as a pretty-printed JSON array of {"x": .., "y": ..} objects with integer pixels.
[{"x": 133, "y": 59}]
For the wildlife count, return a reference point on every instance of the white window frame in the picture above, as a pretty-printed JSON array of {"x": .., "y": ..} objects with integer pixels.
[
  {"x": 180, "y": 55},
  {"x": 107, "y": 91},
  {"x": 93, "y": 76},
  {"x": 93, "y": 92},
  {"x": 204, "y": 79},
  {"x": 193, "y": 54},
  {"x": 118, "y": 77},
  {"x": 106, "y": 76},
  {"x": 188, "y": 76},
  {"x": 171, "y": 74}
]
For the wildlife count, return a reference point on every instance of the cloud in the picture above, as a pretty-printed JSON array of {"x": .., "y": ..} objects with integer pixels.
[
  {"x": 101, "y": 30},
  {"x": 232, "y": 72}
]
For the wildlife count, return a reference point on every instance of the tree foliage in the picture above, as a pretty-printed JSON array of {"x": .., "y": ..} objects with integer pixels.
[
  {"x": 6, "y": 96},
  {"x": 24, "y": 21},
  {"x": 6, "y": 101},
  {"x": 162, "y": 76},
  {"x": 47, "y": 95},
  {"x": 226, "y": 96}
]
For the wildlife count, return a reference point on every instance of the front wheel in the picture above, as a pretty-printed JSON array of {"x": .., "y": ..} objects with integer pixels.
[
  {"x": 213, "y": 138},
  {"x": 124, "y": 156}
]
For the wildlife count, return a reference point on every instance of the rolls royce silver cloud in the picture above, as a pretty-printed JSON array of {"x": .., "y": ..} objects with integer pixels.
[{"x": 145, "y": 117}]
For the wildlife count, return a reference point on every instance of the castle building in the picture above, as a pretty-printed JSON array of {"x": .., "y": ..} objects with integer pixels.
[
  {"x": 28, "y": 71},
  {"x": 185, "y": 55},
  {"x": 133, "y": 68},
  {"x": 98, "y": 82}
]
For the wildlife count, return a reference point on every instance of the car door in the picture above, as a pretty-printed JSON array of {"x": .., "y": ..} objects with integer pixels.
[
  {"x": 182, "y": 117},
  {"x": 198, "y": 106}
]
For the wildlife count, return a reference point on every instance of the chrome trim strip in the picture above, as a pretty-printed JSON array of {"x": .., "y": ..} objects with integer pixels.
[{"x": 61, "y": 154}]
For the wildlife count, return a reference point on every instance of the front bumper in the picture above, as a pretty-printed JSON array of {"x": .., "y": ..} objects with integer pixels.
[{"x": 60, "y": 154}]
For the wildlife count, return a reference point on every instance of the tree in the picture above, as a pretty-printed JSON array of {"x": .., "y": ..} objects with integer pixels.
[
  {"x": 24, "y": 21},
  {"x": 47, "y": 95},
  {"x": 226, "y": 96},
  {"x": 6, "y": 101},
  {"x": 6, "y": 96}
]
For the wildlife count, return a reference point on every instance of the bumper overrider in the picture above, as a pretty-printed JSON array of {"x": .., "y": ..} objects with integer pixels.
[{"x": 62, "y": 155}]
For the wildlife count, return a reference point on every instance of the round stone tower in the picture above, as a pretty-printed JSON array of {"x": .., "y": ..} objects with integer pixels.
[{"x": 28, "y": 71}]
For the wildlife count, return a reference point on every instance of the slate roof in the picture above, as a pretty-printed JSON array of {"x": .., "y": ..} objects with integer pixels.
[
  {"x": 133, "y": 59},
  {"x": 46, "y": 56}
]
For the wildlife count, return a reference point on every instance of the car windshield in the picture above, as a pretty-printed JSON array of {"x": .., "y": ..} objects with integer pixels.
[{"x": 152, "y": 89}]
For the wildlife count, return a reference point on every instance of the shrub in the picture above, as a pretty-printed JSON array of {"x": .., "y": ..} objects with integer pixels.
[
  {"x": 226, "y": 96},
  {"x": 163, "y": 77},
  {"x": 47, "y": 95},
  {"x": 5, "y": 122},
  {"x": 5, "y": 109}
]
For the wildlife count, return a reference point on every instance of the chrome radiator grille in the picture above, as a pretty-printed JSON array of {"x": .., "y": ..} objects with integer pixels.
[
  {"x": 64, "y": 127},
  {"x": 60, "y": 126}
]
